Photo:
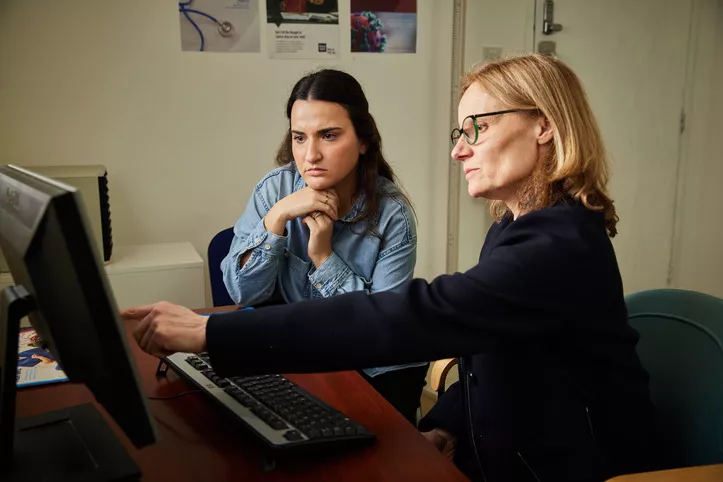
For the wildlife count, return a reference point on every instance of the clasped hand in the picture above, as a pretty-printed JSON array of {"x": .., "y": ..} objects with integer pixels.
[{"x": 319, "y": 210}]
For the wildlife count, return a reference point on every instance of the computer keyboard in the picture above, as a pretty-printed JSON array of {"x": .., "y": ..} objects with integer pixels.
[{"x": 284, "y": 416}]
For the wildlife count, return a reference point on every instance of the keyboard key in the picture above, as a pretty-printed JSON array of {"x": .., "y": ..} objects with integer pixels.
[
  {"x": 245, "y": 400},
  {"x": 277, "y": 424},
  {"x": 293, "y": 435}
]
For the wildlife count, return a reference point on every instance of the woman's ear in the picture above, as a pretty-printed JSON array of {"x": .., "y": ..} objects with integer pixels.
[
  {"x": 363, "y": 148},
  {"x": 545, "y": 133}
]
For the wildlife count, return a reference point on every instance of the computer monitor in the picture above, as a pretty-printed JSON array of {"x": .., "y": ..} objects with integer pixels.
[{"x": 61, "y": 286}]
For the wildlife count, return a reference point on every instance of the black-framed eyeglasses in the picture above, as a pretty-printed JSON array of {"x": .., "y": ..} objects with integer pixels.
[{"x": 470, "y": 129}]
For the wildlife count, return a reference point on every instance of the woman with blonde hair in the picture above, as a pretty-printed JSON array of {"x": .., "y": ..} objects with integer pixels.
[{"x": 551, "y": 387}]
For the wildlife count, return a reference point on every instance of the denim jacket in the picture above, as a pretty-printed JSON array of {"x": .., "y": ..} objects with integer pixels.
[{"x": 358, "y": 261}]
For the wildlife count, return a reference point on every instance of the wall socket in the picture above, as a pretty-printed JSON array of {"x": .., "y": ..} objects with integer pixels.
[{"x": 490, "y": 54}]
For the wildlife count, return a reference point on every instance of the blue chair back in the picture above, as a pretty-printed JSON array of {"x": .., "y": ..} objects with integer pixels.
[
  {"x": 217, "y": 250},
  {"x": 680, "y": 346}
]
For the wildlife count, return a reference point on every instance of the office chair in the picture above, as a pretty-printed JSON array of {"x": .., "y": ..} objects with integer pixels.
[
  {"x": 438, "y": 375},
  {"x": 217, "y": 250},
  {"x": 680, "y": 346}
]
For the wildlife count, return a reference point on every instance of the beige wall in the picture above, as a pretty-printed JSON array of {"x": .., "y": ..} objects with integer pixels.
[{"x": 186, "y": 135}]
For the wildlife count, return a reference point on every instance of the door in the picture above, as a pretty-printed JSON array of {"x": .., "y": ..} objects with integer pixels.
[
  {"x": 631, "y": 58},
  {"x": 698, "y": 253}
]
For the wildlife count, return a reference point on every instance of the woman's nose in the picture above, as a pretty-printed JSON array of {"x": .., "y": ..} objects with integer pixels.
[
  {"x": 461, "y": 150},
  {"x": 313, "y": 154}
]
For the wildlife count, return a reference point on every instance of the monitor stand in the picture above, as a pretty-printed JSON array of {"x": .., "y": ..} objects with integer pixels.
[{"x": 73, "y": 444}]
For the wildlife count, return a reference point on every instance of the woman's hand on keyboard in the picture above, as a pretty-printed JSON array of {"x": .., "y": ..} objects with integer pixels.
[{"x": 164, "y": 328}]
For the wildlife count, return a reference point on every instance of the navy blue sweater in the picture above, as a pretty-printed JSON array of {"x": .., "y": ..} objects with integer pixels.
[{"x": 552, "y": 387}]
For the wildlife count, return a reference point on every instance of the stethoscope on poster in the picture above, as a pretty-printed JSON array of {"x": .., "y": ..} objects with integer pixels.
[{"x": 225, "y": 29}]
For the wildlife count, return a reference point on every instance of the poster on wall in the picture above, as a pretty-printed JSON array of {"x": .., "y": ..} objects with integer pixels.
[
  {"x": 220, "y": 25},
  {"x": 303, "y": 29},
  {"x": 384, "y": 26}
]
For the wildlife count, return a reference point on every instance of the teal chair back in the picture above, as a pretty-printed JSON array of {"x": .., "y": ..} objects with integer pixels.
[{"x": 680, "y": 346}]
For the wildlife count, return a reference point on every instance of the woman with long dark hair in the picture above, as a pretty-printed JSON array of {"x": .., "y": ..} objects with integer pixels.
[{"x": 330, "y": 219}]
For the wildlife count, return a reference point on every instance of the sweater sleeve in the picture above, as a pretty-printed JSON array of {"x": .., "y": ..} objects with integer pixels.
[{"x": 515, "y": 294}]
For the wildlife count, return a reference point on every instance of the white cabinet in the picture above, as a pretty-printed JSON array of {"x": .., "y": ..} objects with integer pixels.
[{"x": 152, "y": 272}]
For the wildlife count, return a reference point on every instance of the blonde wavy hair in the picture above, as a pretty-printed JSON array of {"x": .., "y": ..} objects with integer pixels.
[{"x": 577, "y": 165}]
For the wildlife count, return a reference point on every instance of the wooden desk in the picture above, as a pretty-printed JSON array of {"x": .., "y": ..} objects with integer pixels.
[
  {"x": 198, "y": 444},
  {"x": 706, "y": 473}
]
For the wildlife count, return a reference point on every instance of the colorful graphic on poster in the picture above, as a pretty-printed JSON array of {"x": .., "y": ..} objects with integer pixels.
[{"x": 384, "y": 26}]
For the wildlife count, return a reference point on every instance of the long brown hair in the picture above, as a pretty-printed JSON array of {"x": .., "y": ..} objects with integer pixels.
[
  {"x": 577, "y": 165},
  {"x": 341, "y": 88}
]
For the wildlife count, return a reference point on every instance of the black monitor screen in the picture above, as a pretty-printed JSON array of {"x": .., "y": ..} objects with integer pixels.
[{"x": 45, "y": 239}]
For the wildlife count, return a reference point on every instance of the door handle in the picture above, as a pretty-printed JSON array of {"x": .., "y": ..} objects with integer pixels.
[{"x": 548, "y": 23}]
